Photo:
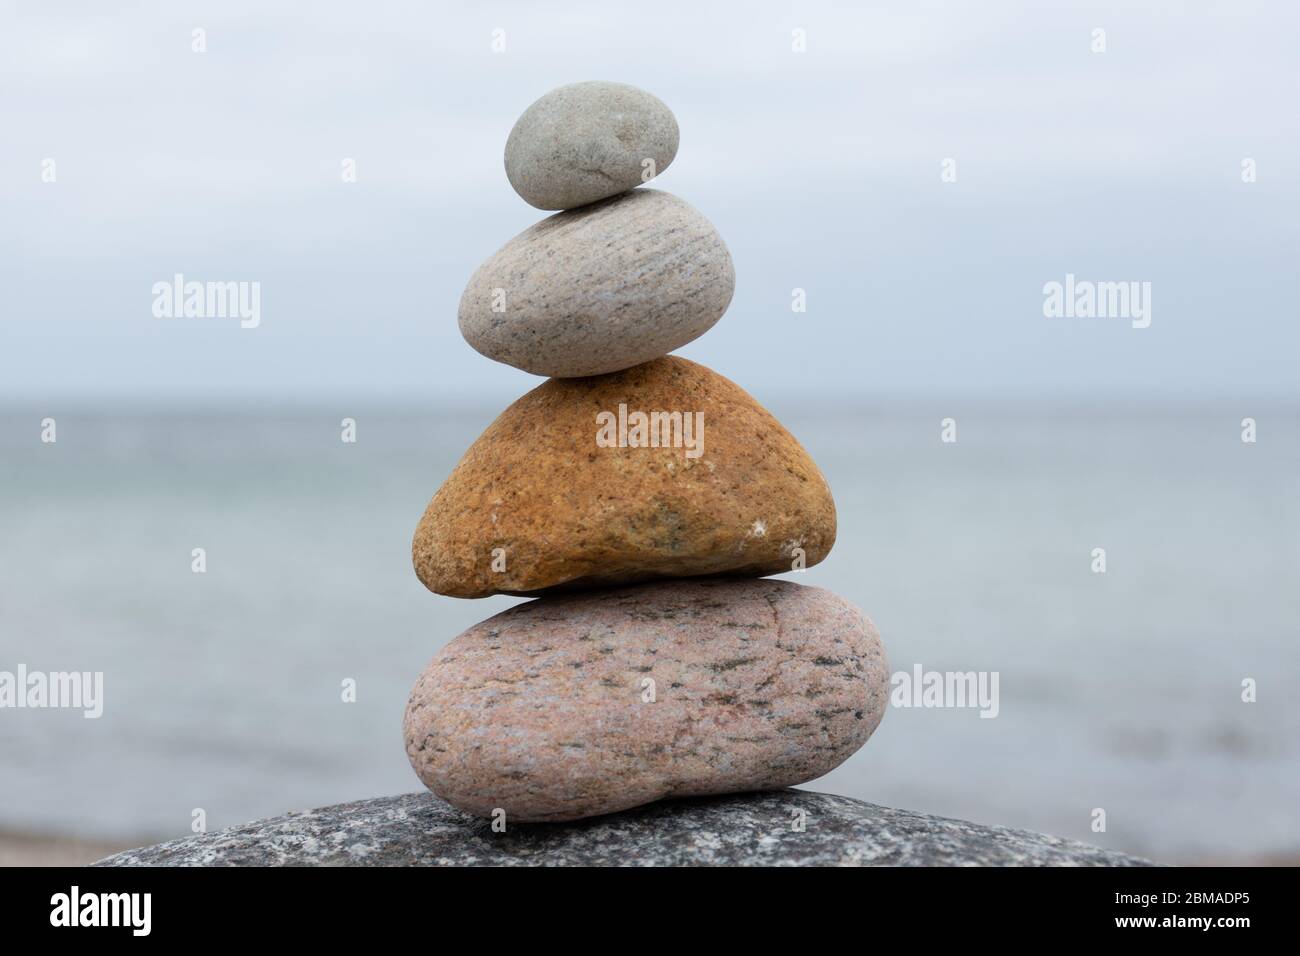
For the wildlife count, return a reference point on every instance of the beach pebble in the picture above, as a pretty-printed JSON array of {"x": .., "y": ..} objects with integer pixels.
[
  {"x": 566, "y": 489},
  {"x": 579, "y": 705},
  {"x": 587, "y": 141},
  {"x": 600, "y": 288}
]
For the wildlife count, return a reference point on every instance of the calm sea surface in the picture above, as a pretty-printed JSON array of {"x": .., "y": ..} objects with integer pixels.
[{"x": 1119, "y": 691}]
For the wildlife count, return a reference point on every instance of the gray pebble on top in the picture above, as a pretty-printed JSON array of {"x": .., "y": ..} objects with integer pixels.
[
  {"x": 754, "y": 829},
  {"x": 588, "y": 141}
]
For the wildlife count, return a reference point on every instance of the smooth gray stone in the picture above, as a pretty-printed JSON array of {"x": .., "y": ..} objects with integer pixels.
[
  {"x": 601, "y": 288},
  {"x": 753, "y": 829},
  {"x": 588, "y": 141}
]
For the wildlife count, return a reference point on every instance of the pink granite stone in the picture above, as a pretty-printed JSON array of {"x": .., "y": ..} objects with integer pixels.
[{"x": 573, "y": 706}]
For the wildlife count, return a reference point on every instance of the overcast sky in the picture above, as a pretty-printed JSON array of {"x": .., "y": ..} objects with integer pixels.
[{"x": 822, "y": 170}]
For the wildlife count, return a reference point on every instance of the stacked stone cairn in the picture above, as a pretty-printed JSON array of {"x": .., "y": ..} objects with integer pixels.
[{"x": 641, "y": 498}]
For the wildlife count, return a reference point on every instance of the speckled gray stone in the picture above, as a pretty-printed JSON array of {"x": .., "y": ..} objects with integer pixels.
[
  {"x": 588, "y": 141},
  {"x": 601, "y": 288},
  {"x": 754, "y": 829},
  {"x": 578, "y": 705}
]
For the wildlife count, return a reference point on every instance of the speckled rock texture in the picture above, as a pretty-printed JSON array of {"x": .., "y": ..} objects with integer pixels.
[
  {"x": 601, "y": 288},
  {"x": 753, "y": 829},
  {"x": 575, "y": 706},
  {"x": 587, "y": 141},
  {"x": 536, "y": 492}
]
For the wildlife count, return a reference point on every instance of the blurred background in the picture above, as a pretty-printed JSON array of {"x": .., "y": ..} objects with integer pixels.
[{"x": 823, "y": 170}]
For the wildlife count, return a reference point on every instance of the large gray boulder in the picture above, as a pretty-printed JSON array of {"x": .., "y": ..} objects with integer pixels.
[{"x": 753, "y": 829}]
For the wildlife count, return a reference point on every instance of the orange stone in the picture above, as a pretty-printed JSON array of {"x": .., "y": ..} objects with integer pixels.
[{"x": 568, "y": 490}]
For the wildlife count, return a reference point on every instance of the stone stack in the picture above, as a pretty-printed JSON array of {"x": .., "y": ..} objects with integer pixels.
[{"x": 641, "y": 498}]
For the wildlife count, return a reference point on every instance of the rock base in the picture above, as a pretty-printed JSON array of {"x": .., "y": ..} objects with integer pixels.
[{"x": 753, "y": 829}]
